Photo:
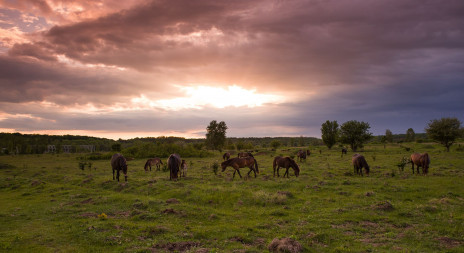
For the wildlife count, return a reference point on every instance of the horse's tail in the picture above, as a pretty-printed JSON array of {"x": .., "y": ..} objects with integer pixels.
[
  {"x": 146, "y": 165},
  {"x": 274, "y": 163}
]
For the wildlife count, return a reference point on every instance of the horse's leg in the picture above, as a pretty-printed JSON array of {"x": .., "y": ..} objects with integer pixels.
[
  {"x": 125, "y": 177},
  {"x": 113, "y": 174},
  {"x": 117, "y": 175},
  {"x": 238, "y": 171},
  {"x": 355, "y": 170},
  {"x": 412, "y": 167},
  {"x": 233, "y": 176},
  {"x": 361, "y": 171}
]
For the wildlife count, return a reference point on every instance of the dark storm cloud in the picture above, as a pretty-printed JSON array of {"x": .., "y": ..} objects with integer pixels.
[{"x": 396, "y": 64}]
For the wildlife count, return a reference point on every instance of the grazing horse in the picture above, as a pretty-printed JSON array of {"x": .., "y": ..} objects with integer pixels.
[
  {"x": 301, "y": 155},
  {"x": 151, "y": 162},
  {"x": 118, "y": 162},
  {"x": 174, "y": 163},
  {"x": 285, "y": 162},
  {"x": 308, "y": 153},
  {"x": 238, "y": 163},
  {"x": 183, "y": 168},
  {"x": 420, "y": 160},
  {"x": 245, "y": 154},
  {"x": 358, "y": 163},
  {"x": 226, "y": 156},
  {"x": 344, "y": 151}
]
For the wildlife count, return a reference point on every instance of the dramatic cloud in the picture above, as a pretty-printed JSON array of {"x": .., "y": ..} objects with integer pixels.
[{"x": 167, "y": 66}]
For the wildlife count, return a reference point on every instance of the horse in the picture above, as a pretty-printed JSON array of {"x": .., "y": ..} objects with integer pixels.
[
  {"x": 420, "y": 160},
  {"x": 118, "y": 162},
  {"x": 358, "y": 163},
  {"x": 301, "y": 155},
  {"x": 226, "y": 156},
  {"x": 183, "y": 168},
  {"x": 285, "y": 162},
  {"x": 151, "y": 162},
  {"x": 238, "y": 163},
  {"x": 245, "y": 154},
  {"x": 174, "y": 163},
  {"x": 308, "y": 153},
  {"x": 344, "y": 151}
]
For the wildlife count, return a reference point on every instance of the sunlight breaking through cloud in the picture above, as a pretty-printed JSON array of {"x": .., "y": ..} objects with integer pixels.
[{"x": 201, "y": 96}]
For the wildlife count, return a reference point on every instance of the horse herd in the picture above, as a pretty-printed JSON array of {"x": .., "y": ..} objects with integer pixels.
[{"x": 178, "y": 167}]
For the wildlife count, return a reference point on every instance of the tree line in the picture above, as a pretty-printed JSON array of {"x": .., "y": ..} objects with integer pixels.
[{"x": 355, "y": 134}]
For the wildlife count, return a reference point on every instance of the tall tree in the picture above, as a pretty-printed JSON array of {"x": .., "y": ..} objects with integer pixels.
[
  {"x": 329, "y": 131},
  {"x": 216, "y": 135},
  {"x": 410, "y": 135},
  {"x": 355, "y": 133},
  {"x": 445, "y": 131},
  {"x": 388, "y": 136}
]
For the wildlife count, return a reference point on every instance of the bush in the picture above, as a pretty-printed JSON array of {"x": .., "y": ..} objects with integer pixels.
[{"x": 215, "y": 167}]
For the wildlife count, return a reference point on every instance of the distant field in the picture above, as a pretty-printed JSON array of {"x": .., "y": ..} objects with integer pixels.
[{"x": 48, "y": 204}]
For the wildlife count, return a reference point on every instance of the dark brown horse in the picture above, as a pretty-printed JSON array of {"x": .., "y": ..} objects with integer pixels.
[
  {"x": 358, "y": 163},
  {"x": 151, "y": 162},
  {"x": 226, "y": 156},
  {"x": 285, "y": 162},
  {"x": 308, "y": 153},
  {"x": 174, "y": 163},
  {"x": 301, "y": 155},
  {"x": 118, "y": 162},
  {"x": 244, "y": 154},
  {"x": 238, "y": 163},
  {"x": 420, "y": 160},
  {"x": 183, "y": 169},
  {"x": 344, "y": 151}
]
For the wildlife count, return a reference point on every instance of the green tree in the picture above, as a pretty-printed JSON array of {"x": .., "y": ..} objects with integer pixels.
[
  {"x": 388, "y": 136},
  {"x": 216, "y": 135},
  {"x": 445, "y": 131},
  {"x": 329, "y": 131},
  {"x": 275, "y": 144},
  {"x": 355, "y": 133},
  {"x": 410, "y": 135},
  {"x": 116, "y": 147}
]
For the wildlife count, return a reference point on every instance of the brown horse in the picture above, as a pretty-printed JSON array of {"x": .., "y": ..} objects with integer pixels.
[
  {"x": 226, "y": 156},
  {"x": 151, "y": 162},
  {"x": 308, "y": 153},
  {"x": 285, "y": 162},
  {"x": 118, "y": 162},
  {"x": 244, "y": 154},
  {"x": 238, "y": 163},
  {"x": 174, "y": 163},
  {"x": 344, "y": 151},
  {"x": 301, "y": 155},
  {"x": 183, "y": 168},
  {"x": 358, "y": 163},
  {"x": 420, "y": 160}
]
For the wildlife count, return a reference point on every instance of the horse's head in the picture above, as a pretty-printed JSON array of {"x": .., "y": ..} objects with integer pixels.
[
  {"x": 367, "y": 169},
  {"x": 224, "y": 166},
  {"x": 296, "y": 168}
]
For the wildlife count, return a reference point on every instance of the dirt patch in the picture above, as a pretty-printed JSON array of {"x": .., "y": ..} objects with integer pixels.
[
  {"x": 170, "y": 211},
  {"x": 36, "y": 182},
  {"x": 285, "y": 245},
  {"x": 203, "y": 250},
  {"x": 369, "y": 194},
  {"x": 172, "y": 201},
  {"x": 87, "y": 201},
  {"x": 449, "y": 242},
  {"x": 383, "y": 206},
  {"x": 177, "y": 246},
  {"x": 93, "y": 215},
  {"x": 285, "y": 193}
]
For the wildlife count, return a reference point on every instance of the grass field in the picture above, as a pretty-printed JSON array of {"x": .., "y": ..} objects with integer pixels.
[{"x": 48, "y": 204}]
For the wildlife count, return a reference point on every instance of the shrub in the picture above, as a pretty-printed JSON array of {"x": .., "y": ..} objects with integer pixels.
[{"x": 215, "y": 167}]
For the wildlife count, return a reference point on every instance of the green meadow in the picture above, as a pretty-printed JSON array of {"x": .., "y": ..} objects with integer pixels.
[{"x": 48, "y": 204}]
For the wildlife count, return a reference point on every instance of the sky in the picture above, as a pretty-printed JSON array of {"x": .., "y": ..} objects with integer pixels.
[{"x": 142, "y": 68}]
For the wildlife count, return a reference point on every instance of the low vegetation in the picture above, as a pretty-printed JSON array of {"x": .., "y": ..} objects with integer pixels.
[{"x": 57, "y": 202}]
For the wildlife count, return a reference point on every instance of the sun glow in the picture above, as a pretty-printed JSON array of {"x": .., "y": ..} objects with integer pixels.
[{"x": 202, "y": 96}]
